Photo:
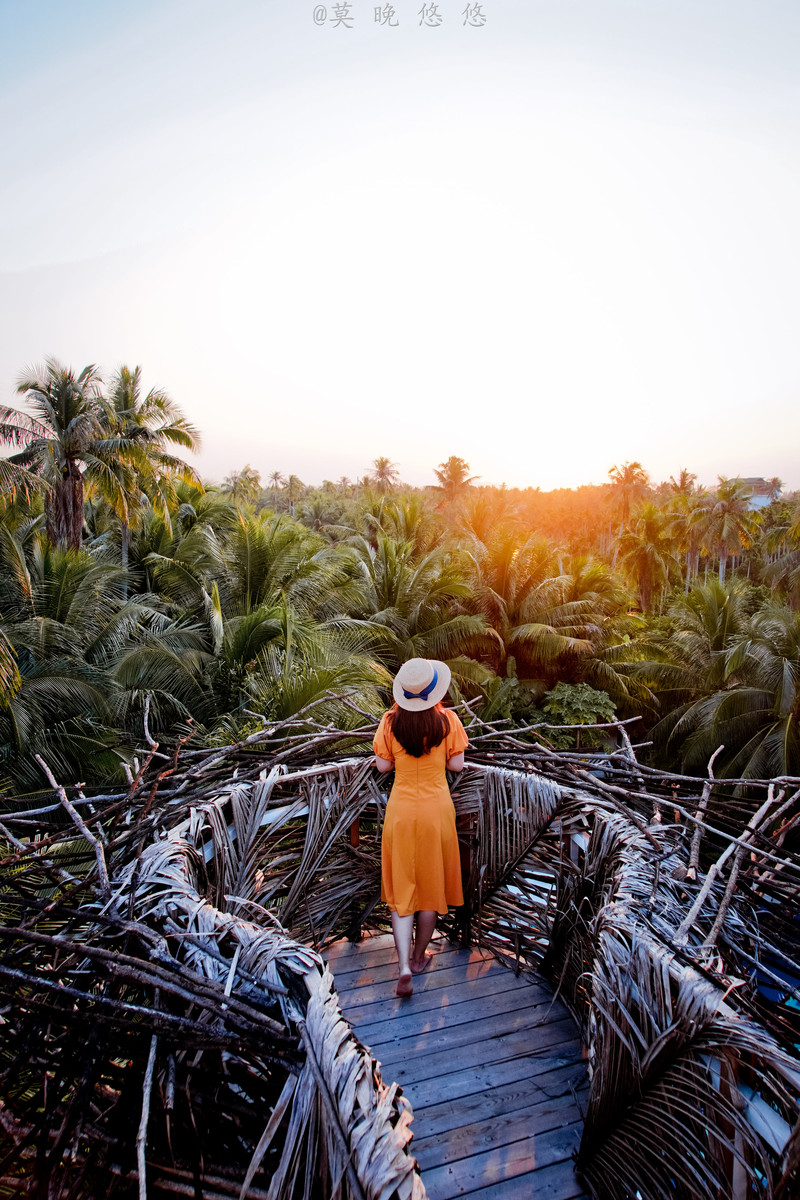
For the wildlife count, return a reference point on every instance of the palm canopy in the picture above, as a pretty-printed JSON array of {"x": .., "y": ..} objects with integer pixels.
[
  {"x": 384, "y": 474},
  {"x": 404, "y": 519},
  {"x": 61, "y": 620},
  {"x": 242, "y": 486},
  {"x": 524, "y": 601},
  {"x": 687, "y": 523},
  {"x": 628, "y": 483},
  {"x": 56, "y": 437},
  {"x": 416, "y": 602},
  {"x": 132, "y": 460},
  {"x": 728, "y": 670},
  {"x": 454, "y": 477},
  {"x": 646, "y": 552},
  {"x": 685, "y": 484},
  {"x": 553, "y": 624},
  {"x": 731, "y": 525},
  {"x": 75, "y": 436}
]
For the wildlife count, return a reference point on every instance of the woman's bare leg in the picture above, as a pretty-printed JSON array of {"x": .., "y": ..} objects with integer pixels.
[
  {"x": 425, "y": 924},
  {"x": 402, "y": 928}
]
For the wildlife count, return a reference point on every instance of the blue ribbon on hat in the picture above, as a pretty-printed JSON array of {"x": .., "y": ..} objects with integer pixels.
[{"x": 426, "y": 691}]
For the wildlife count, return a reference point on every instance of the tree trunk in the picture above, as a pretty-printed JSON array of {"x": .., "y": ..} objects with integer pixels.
[
  {"x": 723, "y": 562},
  {"x": 63, "y": 509},
  {"x": 126, "y": 541}
]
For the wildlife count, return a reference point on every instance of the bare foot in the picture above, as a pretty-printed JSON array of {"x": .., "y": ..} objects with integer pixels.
[
  {"x": 418, "y": 966},
  {"x": 404, "y": 985}
]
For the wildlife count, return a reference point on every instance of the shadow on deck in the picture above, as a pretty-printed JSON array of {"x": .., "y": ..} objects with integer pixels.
[{"x": 491, "y": 1064}]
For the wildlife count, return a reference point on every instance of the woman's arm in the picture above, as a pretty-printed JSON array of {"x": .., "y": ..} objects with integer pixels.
[
  {"x": 456, "y": 763},
  {"x": 385, "y": 765}
]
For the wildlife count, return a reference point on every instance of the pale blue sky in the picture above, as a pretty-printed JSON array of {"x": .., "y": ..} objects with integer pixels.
[{"x": 559, "y": 241}]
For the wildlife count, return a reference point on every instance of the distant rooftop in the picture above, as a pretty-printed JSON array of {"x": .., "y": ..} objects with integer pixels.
[{"x": 762, "y": 491}]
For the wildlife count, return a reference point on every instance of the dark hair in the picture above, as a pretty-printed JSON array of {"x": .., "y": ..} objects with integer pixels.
[{"x": 419, "y": 732}]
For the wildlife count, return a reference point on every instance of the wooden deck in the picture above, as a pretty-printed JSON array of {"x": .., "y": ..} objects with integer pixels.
[{"x": 492, "y": 1067}]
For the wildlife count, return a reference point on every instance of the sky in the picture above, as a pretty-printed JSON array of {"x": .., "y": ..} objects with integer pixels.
[{"x": 548, "y": 236}]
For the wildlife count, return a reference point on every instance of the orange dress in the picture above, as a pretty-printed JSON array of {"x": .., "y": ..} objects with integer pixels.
[{"x": 420, "y": 862}]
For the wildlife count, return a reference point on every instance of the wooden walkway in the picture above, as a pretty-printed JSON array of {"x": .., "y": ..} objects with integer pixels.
[{"x": 491, "y": 1066}]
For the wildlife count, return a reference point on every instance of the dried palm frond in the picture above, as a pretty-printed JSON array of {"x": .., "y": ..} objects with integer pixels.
[{"x": 665, "y": 910}]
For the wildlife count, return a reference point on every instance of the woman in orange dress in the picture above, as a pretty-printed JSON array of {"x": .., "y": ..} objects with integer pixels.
[{"x": 420, "y": 862}]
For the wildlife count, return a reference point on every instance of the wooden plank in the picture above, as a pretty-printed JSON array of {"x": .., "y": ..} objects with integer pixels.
[
  {"x": 363, "y": 1007},
  {"x": 558, "y": 1182},
  {"x": 507, "y": 1098},
  {"x": 501, "y": 1129},
  {"x": 369, "y": 973},
  {"x": 445, "y": 987},
  {"x": 504, "y": 1162},
  {"x": 484, "y": 1027},
  {"x": 383, "y": 953},
  {"x": 345, "y": 956},
  {"x": 448, "y": 971},
  {"x": 440, "y": 1089},
  {"x": 510, "y": 1045},
  {"x": 490, "y": 1063},
  {"x": 408, "y": 1023}
]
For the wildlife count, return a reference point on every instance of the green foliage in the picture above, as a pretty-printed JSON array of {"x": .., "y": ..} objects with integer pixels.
[
  {"x": 124, "y": 584},
  {"x": 578, "y": 704},
  {"x": 727, "y": 673}
]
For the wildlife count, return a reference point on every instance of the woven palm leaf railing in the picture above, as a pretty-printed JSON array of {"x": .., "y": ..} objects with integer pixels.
[
  {"x": 664, "y": 909},
  {"x": 161, "y": 1031}
]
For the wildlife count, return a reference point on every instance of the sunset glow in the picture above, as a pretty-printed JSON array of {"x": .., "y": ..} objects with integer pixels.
[{"x": 559, "y": 241}]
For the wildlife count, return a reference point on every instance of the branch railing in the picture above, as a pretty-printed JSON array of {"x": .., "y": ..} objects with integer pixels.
[{"x": 665, "y": 911}]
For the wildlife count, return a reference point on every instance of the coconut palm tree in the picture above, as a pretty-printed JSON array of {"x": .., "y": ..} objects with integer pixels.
[
  {"x": 294, "y": 490},
  {"x": 743, "y": 669},
  {"x": 242, "y": 486},
  {"x": 414, "y": 604},
  {"x": 19, "y": 429},
  {"x": 731, "y": 524},
  {"x": 518, "y": 589},
  {"x": 687, "y": 520},
  {"x": 684, "y": 485},
  {"x": 322, "y": 665},
  {"x": 783, "y": 540},
  {"x": 132, "y": 460},
  {"x": 454, "y": 477},
  {"x": 275, "y": 480},
  {"x": 481, "y": 511},
  {"x": 61, "y": 619},
  {"x": 646, "y": 552},
  {"x": 56, "y": 439},
  {"x": 405, "y": 519},
  {"x": 605, "y": 600},
  {"x": 384, "y": 474},
  {"x": 628, "y": 484}
]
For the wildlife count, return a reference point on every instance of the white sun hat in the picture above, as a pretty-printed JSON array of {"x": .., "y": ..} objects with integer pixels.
[{"x": 420, "y": 683}]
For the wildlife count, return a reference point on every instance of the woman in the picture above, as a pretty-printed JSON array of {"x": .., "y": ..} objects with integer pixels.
[{"x": 420, "y": 862}]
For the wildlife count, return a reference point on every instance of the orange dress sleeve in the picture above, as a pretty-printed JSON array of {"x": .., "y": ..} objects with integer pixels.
[
  {"x": 456, "y": 741},
  {"x": 382, "y": 742}
]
